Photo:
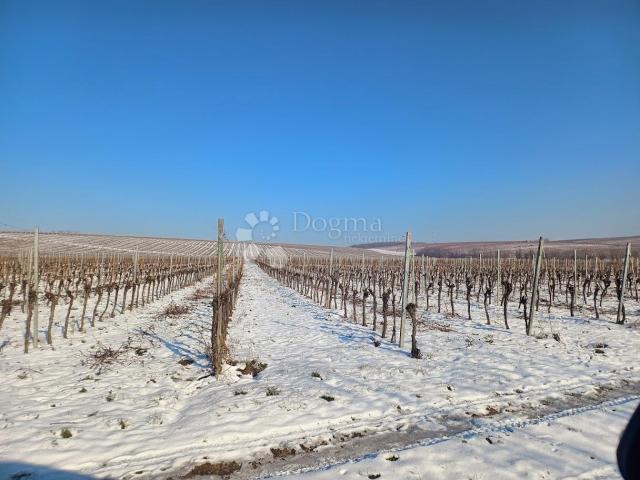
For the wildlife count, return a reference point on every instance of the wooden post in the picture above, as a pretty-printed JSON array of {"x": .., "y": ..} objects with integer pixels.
[
  {"x": 534, "y": 293},
  {"x": 625, "y": 271},
  {"x": 405, "y": 281},
  {"x": 36, "y": 280}
]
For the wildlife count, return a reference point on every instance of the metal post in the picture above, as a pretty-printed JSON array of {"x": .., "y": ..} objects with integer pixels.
[{"x": 405, "y": 281}]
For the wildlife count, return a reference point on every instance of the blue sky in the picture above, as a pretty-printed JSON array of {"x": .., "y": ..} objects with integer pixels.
[{"x": 478, "y": 120}]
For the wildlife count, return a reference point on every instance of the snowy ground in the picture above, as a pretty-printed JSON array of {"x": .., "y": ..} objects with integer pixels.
[
  {"x": 574, "y": 444},
  {"x": 327, "y": 395}
]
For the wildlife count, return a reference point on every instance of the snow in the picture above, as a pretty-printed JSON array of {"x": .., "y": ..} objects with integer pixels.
[
  {"x": 385, "y": 251},
  {"x": 474, "y": 378},
  {"x": 575, "y": 445}
]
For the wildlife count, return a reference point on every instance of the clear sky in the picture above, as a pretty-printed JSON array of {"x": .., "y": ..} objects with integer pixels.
[{"x": 459, "y": 120}]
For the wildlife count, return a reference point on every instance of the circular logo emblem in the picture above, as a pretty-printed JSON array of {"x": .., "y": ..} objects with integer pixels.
[{"x": 262, "y": 227}]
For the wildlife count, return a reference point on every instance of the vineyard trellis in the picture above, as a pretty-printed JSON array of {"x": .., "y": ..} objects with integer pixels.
[
  {"x": 103, "y": 280},
  {"x": 363, "y": 289},
  {"x": 105, "y": 276}
]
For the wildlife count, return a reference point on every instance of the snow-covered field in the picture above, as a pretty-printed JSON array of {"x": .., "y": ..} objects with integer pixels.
[
  {"x": 574, "y": 444},
  {"x": 327, "y": 396}
]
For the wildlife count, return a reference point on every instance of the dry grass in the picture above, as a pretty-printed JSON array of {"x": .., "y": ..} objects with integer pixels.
[
  {"x": 253, "y": 368},
  {"x": 431, "y": 325},
  {"x": 220, "y": 469},
  {"x": 205, "y": 293},
  {"x": 273, "y": 391},
  {"x": 283, "y": 452},
  {"x": 174, "y": 310},
  {"x": 313, "y": 447},
  {"x": 106, "y": 355}
]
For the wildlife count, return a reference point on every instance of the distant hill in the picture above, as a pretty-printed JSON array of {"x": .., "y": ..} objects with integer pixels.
[{"x": 600, "y": 247}]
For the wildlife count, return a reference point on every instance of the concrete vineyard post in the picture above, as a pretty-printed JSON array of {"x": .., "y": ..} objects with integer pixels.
[
  {"x": 625, "y": 271},
  {"x": 405, "y": 281},
  {"x": 170, "y": 270},
  {"x": 101, "y": 280},
  {"x": 135, "y": 264},
  {"x": 219, "y": 283},
  {"x": 534, "y": 293},
  {"x": 586, "y": 263},
  {"x": 327, "y": 302},
  {"x": 219, "y": 289},
  {"x": 415, "y": 274},
  {"x": 28, "y": 271},
  {"x": 498, "y": 282},
  {"x": 36, "y": 280}
]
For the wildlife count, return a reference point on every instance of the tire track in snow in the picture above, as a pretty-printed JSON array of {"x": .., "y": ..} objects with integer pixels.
[{"x": 504, "y": 426}]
